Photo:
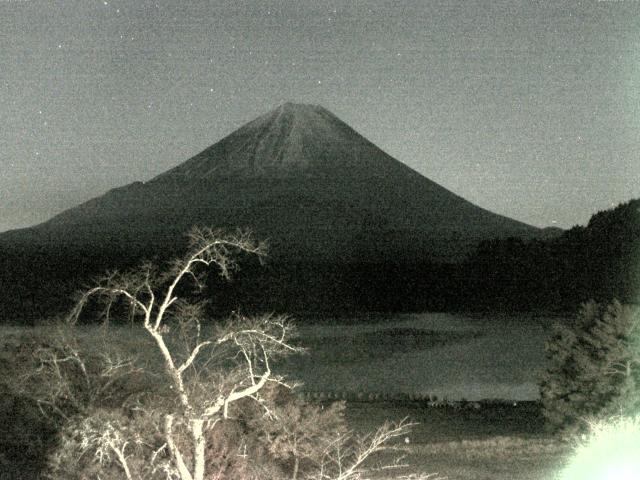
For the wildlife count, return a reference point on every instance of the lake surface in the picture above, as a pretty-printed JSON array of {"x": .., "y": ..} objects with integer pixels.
[{"x": 450, "y": 356}]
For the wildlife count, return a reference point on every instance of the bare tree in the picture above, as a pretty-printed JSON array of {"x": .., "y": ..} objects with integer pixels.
[
  {"x": 177, "y": 406},
  {"x": 202, "y": 401},
  {"x": 344, "y": 458}
]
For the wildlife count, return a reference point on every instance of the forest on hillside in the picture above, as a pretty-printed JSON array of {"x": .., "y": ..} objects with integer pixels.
[{"x": 599, "y": 261}]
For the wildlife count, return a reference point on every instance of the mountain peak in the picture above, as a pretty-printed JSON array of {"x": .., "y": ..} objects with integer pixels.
[
  {"x": 298, "y": 107},
  {"x": 294, "y": 139}
]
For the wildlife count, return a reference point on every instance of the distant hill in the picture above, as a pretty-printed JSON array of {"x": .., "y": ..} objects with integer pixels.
[{"x": 347, "y": 224}]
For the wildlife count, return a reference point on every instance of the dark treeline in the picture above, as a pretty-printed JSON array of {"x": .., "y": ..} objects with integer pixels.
[
  {"x": 600, "y": 261},
  {"x": 42, "y": 286}
]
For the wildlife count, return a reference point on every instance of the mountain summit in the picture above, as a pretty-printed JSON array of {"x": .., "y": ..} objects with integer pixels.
[{"x": 292, "y": 140}]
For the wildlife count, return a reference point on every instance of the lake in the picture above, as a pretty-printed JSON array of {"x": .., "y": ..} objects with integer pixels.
[{"x": 450, "y": 356}]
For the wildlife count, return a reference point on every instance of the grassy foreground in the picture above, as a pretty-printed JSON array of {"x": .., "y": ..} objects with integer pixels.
[{"x": 495, "y": 442}]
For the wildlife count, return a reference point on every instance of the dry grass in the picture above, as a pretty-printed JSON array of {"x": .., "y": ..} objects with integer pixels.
[
  {"x": 496, "y": 443},
  {"x": 498, "y": 458}
]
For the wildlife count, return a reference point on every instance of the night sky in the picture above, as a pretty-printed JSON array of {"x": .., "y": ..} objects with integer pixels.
[{"x": 530, "y": 109}]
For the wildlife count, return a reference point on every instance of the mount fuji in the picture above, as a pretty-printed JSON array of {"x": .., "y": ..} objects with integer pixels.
[{"x": 302, "y": 179}]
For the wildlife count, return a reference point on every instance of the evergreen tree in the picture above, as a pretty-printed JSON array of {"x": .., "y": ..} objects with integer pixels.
[{"x": 593, "y": 367}]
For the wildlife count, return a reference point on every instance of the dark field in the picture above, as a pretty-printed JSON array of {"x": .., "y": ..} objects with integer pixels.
[{"x": 493, "y": 442}]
